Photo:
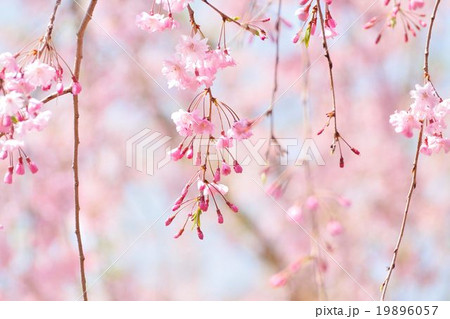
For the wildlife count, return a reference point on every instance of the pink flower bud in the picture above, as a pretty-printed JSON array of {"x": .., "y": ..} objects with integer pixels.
[
  {"x": 217, "y": 176},
  {"x": 312, "y": 203},
  {"x": 179, "y": 233},
  {"x": 59, "y": 88},
  {"x": 20, "y": 168},
  {"x": 334, "y": 228},
  {"x": 226, "y": 169},
  {"x": 190, "y": 153},
  {"x": 203, "y": 204},
  {"x": 8, "y": 179},
  {"x": 169, "y": 220},
  {"x": 237, "y": 168},
  {"x": 176, "y": 154},
  {"x": 233, "y": 207},
  {"x": 176, "y": 207},
  {"x": 278, "y": 280},
  {"x": 199, "y": 233},
  {"x": 344, "y": 202},
  {"x": 219, "y": 217},
  {"x": 76, "y": 87},
  {"x": 32, "y": 166}
]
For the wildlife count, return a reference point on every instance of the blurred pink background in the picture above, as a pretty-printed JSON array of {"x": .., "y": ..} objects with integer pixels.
[{"x": 131, "y": 255}]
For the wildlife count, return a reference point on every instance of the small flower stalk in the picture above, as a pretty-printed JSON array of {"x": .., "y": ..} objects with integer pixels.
[{"x": 403, "y": 13}]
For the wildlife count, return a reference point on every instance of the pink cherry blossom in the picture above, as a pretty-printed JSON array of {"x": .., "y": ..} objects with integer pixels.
[
  {"x": 416, "y": 4},
  {"x": 155, "y": 22},
  {"x": 8, "y": 63},
  {"x": 224, "y": 142},
  {"x": 11, "y": 103},
  {"x": 404, "y": 123},
  {"x": 192, "y": 51},
  {"x": 39, "y": 74},
  {"x": 184, "y": 122},
  {"x": 177, "y": 76},
  {"x": 241, "y": 130},
  {"x": 203, "y": 126}
]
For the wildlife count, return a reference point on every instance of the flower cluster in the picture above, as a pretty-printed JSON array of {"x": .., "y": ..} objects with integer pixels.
[
  {"x": 410, "y": 20},
  {"x": 307, "y": 14},
  {"x": 429, "y": 110},
  {"x": 154, "y": 22},
  {"x": 195, "y": 124},
  {"x": 195, "y": 64},
  {"x": 21, "y": 76}
]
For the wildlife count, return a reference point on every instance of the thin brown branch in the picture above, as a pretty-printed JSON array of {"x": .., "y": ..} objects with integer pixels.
[
  {"x": 76, "y": 117},
  {"x": 333, "y": 113},
  {"x": 385, "y": 284},
  {"x": 48, "y": 34},
  {"x": 55, "y": 95},
  {"x": 227, "y": 18}
]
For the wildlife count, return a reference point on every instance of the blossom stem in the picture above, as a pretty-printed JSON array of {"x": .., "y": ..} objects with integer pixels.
[
  {"x": 385, "y": 284},
  {"x": 48, "y": 34},
  {"x": 227, "y": 18},
  {"x": 333, "y": 113},
  {"x": 78, "y": 58}
]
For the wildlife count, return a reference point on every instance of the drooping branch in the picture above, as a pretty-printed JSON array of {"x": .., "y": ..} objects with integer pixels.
[
  {"x": 76, "y": 116},
  {"x": 385, "y": 284},
  {"x": 333, "y": 114}
]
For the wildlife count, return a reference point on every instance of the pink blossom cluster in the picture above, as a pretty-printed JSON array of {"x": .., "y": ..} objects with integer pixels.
[
  {"x": 195, "y": 64},
  {"x": 307, "y": 13},
  {"x": 191, "y": 125},
  {"x": 154, "y": 22},
  {"x": 20, "y": 113},
  {"x": 429, "y": 110},
  {"x": 410, "y": 20}
]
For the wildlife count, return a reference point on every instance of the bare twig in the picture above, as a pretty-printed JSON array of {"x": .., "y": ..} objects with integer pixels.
[
  {"x": 226, "y": 18},
  {"x": 55, "y": 95},
  {"x": 333, "y": 113},
  {"x": 385, "y": 284},
  {"x": 48, "y": 34},
  {"x": 78, "y": 58}
]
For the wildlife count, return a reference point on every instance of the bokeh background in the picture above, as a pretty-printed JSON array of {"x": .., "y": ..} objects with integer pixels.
[{"x": 131, "y": 255}]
